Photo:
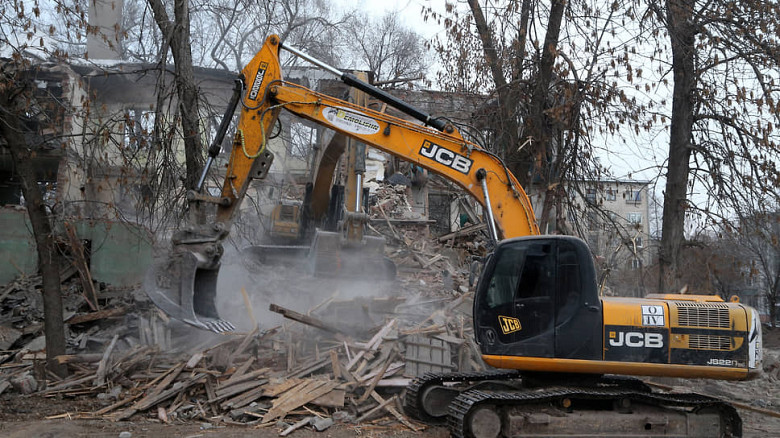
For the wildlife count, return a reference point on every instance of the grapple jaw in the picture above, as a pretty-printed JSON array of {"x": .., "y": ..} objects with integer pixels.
[{"x": 184, "y": 285}]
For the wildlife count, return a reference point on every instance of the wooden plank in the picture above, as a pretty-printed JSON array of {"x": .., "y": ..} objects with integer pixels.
[
  {"x": 242, "y": 346},
  {"x": 243, "y": 378},
  {"x": 100, "y": 376},
  {"x": 333, "y": 399},
  {"x": 194, "y": 360},
  {"x": 240, "y": 370},
  {"x": 237, "y": 389},
  {"x": 243, "y": 398},
  {"x": 302, "y": 394},
  {"x": 334, "y": 364},
  {"x": 148, "y": 402},
  {"x": 309, "y": 368},
  {"x": 373, "y": 410},
  {"x": 376, "y": 378},
  {"x": 373, "y": 344},
  {"x": 78, "y": 358},
  {"x": 396, "y": 382},
  {"x": 80, "y": 262},
  {"x": 170, "y": 377},
  {"x": 463, "y": 232},
  {"x": 304, "y": 319},
  {"x": 279, "y": 388},
  {"x": 94, "y": 316},
  {"x": 395, "y": 413}
]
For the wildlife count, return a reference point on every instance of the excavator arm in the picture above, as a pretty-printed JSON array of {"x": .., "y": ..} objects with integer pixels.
[{"x": 183, "y": 284}]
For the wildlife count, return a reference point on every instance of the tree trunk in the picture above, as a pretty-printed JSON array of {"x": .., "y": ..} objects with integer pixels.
[
  {"x": 48, "y": 257},
  {"x": 178, "y": 33},
  {"x": 507, "y": 132},
  {"x": 681, "y": 33}
]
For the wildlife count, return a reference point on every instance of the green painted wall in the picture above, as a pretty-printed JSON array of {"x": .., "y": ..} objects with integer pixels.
[
  {"x": 17, "y": 247},
  {"x": 121, "y": 252}
]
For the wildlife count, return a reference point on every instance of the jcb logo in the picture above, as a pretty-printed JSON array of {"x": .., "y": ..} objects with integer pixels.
[
  {"x": 446, "y": 157},
  {"x": 636, "y": 339},
  {"x": 509, "y": 325}
]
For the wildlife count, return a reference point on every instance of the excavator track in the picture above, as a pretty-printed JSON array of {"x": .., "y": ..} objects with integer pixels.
[
  {"x": 466, "y": 420},
  {"x": 616, "y": 406},
  {"x": 413, "y": 404}
]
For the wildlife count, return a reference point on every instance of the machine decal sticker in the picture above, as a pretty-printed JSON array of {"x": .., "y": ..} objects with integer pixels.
[
  {"x": 509, "y": 324},
  {"x": 653, "y": 316},
  {"x": 636, "y": 339},
  {"x": 446, "y": 157},
  {"x": 726, "y": 363},
  {"x": 350, "y": 120},
  {"x": 636, "y": 344},
  {"x": 754, "y": 341},
  {"x": 255, "y": 90}
]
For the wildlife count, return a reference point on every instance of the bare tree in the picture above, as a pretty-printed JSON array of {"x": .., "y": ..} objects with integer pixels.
[
  {"x": 395, "y": 53},
  {"x": 549, "y": 97},
  {"x": 177, "y": 35},
  {"x": 721, "y": 134},
  {"x": 23, "y": 120}
]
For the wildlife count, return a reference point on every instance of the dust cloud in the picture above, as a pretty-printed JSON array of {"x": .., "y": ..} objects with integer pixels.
[{"x": 291, "y": 285}]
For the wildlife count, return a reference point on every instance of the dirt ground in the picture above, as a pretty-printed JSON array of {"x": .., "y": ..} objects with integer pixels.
[{"x": 30, "y": 416}]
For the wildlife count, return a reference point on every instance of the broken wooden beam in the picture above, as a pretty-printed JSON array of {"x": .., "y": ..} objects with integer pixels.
[{"x": 304, "y": 319}]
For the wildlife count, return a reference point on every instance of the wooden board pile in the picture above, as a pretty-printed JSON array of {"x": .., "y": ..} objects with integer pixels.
[{"x": 307, "y": 372}]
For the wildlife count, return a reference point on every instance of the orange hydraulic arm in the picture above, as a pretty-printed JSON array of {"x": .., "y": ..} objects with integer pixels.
[
  {"x": 446, "y": 153},
  {"x": 184, "y": 283}
]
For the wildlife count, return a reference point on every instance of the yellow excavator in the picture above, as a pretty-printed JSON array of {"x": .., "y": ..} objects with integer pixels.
[
  {"x": 561, "y": 352},
  {"x": 325, "y": 233}
]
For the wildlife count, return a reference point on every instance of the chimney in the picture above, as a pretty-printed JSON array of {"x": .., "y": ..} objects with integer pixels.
[{"x": 106, "y": 16}]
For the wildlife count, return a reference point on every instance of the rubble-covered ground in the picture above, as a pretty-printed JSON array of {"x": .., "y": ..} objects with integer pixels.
[{"x": 311, "y": 353}]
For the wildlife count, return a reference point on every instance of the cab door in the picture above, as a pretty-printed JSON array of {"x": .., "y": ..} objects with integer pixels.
[{"x": 514, "y": 307}]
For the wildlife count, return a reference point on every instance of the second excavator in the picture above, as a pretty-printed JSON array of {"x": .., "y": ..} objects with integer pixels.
[{"x": 561, "y": 352}]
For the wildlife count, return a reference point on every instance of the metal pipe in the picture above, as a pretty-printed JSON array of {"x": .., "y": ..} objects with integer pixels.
[
  {"x": 389, "y": 99},
  {"x": 482, "y": 178}
]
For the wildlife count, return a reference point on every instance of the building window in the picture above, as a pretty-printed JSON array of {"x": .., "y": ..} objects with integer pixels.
[
  {"x": 634, "y": 218},
  {"x": 139, "y": 127},
  {"x": 638, "y": 241},
  {"x": 590, "y": 196},
  {"x": 633, "y": 196},
  {"x": 635, "y": 263},
  {"x": 611, "y": 195}
]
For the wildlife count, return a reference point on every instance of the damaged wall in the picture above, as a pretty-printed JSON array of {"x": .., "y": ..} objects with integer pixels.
[{"x": 120, "y": 252}]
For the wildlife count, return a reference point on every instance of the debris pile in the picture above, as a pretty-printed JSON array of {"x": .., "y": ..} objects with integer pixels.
[
  {"x": 344, "y": 360},
  {"x": 310, "y": 371}
]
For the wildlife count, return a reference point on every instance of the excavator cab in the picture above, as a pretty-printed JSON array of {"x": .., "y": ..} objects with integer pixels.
[{"x": 537, "y": 297}]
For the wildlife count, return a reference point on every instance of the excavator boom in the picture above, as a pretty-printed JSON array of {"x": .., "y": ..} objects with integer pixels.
[{"x": 183, "y": 284}]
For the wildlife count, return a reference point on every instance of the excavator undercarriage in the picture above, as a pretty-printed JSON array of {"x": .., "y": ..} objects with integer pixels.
[{"x": 513, "y": 404}]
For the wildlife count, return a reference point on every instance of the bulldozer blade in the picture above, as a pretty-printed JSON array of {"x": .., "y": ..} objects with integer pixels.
[
  {"x": 184, "y": 286},
  {"x": 332, "y": 256}
]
